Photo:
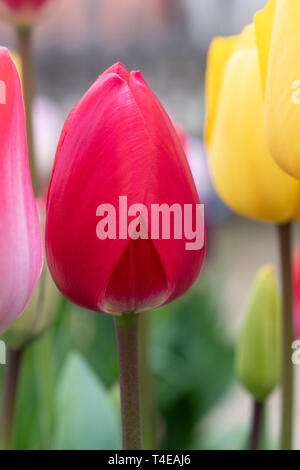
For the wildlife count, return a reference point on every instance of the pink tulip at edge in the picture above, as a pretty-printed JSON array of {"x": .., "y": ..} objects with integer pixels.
[
  {"x": 21, "y": 255},
  {"x": 118, "y": 141},
  {"x": 296, "y": 279}
]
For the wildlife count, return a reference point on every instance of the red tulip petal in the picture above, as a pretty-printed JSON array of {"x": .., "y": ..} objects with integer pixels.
[
  {"x": 139, "y": 282},
  {"x": 182, "y": 267},
  {"x": 296, "y": 282}
]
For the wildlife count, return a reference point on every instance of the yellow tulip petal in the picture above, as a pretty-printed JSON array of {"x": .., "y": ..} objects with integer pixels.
[
  {"x": 246, "y": 38},
  {"x": 218, "y": 54},
  {"x": 282, "y": 97},
  {"x": 263, "y": 21},
  {"x": 244, "y": 174}
]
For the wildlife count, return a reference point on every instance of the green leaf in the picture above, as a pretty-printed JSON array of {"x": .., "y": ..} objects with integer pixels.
[{"x": 85, "y": 417}]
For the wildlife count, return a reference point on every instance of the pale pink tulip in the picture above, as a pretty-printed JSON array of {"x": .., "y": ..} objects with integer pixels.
[{"x": 21, "y": 254}]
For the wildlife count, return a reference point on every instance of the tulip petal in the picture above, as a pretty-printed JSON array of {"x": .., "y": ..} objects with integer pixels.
[
  {"x": 263, "y": 21},
  {"x": 90, "y": 265},
  {"x": 20, "y": 238},
  {"x": 244, "y": 174},
  {"x": 181, "y": 266},
  {"x": 218, "y": 55},
  {"x": 296, "y": 289},
  {"x": 139, "y": 282},
  {"x": 282, "y": 95}
]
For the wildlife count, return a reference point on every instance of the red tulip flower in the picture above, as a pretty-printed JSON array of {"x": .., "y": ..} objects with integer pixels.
[
  {"x": 118, "y": 144},
  {"x": 20, "y": 238},
  {"x": 296, "y": 279},
  {"x": 23, "y": 12}
]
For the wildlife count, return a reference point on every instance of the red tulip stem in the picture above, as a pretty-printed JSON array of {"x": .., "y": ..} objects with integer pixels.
[
  {"x": 256, "y": 427},
  {"x": 147, "y": 398},
  {"x": 128, "y": 339},
  {"x": 25, "y": 50},
  {"x": 287, "y": 337},
  {"x": 10, "y": 397}
]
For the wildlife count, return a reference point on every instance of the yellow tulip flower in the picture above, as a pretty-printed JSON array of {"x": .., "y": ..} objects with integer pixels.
[
  {"x": 277, "y": 29},
  {"x": 244, "y": 174}
]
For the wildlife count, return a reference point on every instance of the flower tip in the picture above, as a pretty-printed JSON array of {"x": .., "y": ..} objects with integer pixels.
[
  {"x": 119, "y": 69},
  {"x": 4, "y": 53},
  {"x": 267, "y": 270}
]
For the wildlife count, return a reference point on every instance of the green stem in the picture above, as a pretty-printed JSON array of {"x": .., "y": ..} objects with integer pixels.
[
  {"x": 10, "y": 397},
  {"x": 287, "y": 337},
  {"x": 128, "y": 339},
  {"x": 256, "y": 427},
  {"x": 25, "y": 49},
  {"x": 147, "y": 398}
]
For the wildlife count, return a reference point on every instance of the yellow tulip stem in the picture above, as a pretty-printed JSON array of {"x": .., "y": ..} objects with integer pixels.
[
  {"x": 287, "y": 338},
  {"x": 127, "y": 332},
  {"x": 10, "y": 397},
  {"x": 257, "y": 424},
  {"x": 147, "y": 398},
  {"x": 24, "y": 36}
]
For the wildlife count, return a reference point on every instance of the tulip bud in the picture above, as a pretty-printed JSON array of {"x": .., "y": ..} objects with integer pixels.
[
  {"x": 21, "y": 255},
  {"x": 42, "y": 309},
  {"x": 296, "y": 279},
  {"x": 118, "y": 158},
  {"x": 259, "y": 346},
  {"x": 23, "y": 12}
]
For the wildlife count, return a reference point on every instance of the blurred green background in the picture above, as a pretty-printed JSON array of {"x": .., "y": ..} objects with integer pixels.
[{"x": 68, "y": 397}]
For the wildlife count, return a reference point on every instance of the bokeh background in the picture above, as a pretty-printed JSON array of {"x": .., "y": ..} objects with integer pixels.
[{"x": 69, "y": 392}]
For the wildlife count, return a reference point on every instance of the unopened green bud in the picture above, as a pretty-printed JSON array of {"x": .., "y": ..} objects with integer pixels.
[{"x": 259, "y": 346}]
